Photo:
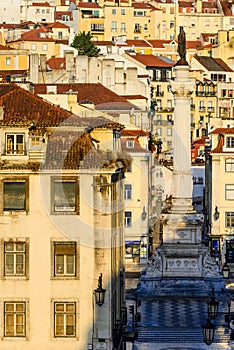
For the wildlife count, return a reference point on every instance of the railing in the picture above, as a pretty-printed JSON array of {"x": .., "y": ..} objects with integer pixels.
[
  {"x": 202, "y": 109},
  {"x": 192, "y": 125},
  {"x": 159, "y": 93},
  {"x": 210, "y": 109},
  {"x": 192, "y": 107}
]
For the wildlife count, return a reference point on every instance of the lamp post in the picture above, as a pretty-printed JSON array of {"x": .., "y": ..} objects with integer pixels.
[
  {"x": 208, "y": 329},
  {"x": 99, "y": 293},
  {"x": 225, "y": 270},
  {"x": 212, "y": 307}
]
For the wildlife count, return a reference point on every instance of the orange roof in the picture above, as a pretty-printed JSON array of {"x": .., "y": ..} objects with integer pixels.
[
  {"x": 56, "y": 63},
  {"x": 134, "y": 133},
  {"x": 219, "y": 147},
  {"x": 41, "y": 4},
  {"x": 88, "y": 5},
  {"x": 135, "y": 149},
  {"x": 99, "y": 95},
  {"x": 223, "y": 131},
  {"x": 5, "y": 48},
  {"x": 152, "y": 61},
  {"x": 57, "y": 25}
]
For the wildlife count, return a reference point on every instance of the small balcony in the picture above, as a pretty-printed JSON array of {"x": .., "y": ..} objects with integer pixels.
[
  {"x": 159, "y": 93},
  {"x": 210, "y": 109},
  {"x": 202, "y": 109},
  {"x": 192, "y": 125}
]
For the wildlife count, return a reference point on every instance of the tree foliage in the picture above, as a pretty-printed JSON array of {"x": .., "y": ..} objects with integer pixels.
[{"x": 84, "y": 44}]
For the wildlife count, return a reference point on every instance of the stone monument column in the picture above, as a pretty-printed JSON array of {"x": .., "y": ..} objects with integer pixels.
[
  {"x": 182, "y": 88},
  {"x": 181, "y": 265}
]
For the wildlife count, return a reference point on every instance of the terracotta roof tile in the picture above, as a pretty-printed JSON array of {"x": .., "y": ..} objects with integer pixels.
[
  {"x": 223, "y": 131},
  {"x": 21, "y": 106},
  {"x": 56, "y": 63},
  {"x": 219, "y": 147},
  {"x": 142, "y": 5},
  {"x": 152, "y": 61},
  {"x": 136, "y": 149},
  {"x": 99, "y": 95},
  {"x": 88, "y": 5},
  {"x": 41, "y": 4},
  {"x": 5, "y": 48},
  {"x": 213, "y": 64},
  {"x": 100, "y": 122},
  {"x": 58, "y": 25},
  {"x": 134, "y": 133}
]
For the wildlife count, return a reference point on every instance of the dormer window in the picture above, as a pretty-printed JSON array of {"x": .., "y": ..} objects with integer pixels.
[
  {"x": 130, "y": 143},
  {"x": 14, "y": 143},
  {"x": 230, "y": 141}
]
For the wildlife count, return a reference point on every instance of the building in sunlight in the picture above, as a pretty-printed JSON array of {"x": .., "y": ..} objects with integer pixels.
[{"x": 61, "y": 228}]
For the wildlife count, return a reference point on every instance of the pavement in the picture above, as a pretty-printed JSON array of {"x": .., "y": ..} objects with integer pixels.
[{"x": 175, "y": 324}]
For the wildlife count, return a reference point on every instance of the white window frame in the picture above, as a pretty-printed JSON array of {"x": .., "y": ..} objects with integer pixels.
[
  {"x": 229, "y": 165},
  {"x": 62, "y": 317},
  {"x": 127, "y": 191},
  {"x": 14, "y": 257},
  {"x": 229, "y": 192},
  {"x": 62, "y": 260},
  {"x": 14, "y": 145},
  {"x": 229, "y": 219},
  {"x": 130, "y": 143},
  {"x": 44, "y": 47},
  {"x": 114, "y": 26},
  {"x": 127, "y": 219},
  {"x": 8, "y": 61},
  {"x": 67, "y": 208},
  {"x": 17, "y": 312},
  {"x": 34, "y": 47},
  {"x": 229, "y": 141}
]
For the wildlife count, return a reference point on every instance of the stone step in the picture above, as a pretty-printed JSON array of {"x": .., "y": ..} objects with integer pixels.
[{"x": 180, "y": 335}]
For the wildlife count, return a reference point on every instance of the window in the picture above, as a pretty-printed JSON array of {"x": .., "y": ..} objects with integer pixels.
[
  {"x": 60, "y": 35},
  {"x": 230, "y": 142},
  {"x": 34, "y": 47},
  {"x": 8, "y": 61},
  {"x": 15, "y": 143},
  {"x": 44, "y": 47},
  {"x": 114, "y": 26},
  {"x": 169, "y": 131},
  {"x": 130, "y": 143},
  {"x": 158, "y": 131},
  {"x": 229, "y": 192},
  {"x": 113, "y": 11},
  {"x": 145, "y": 27},
  {"x": 65, "y": 195},
  {"x": 14, "y": 258},
  {"x": 127, "y": 219},
  {"x": 229, "y": 219},
  {"x": 123, "y": 12},
  {"x": 15, "y": 194},
  {"x": 123, "y": 27},
  {"x": 64, "y": 258},
  {"x": 127, "y": 191},
  {"x": 14, "y": 319},
  {"x": 229, "y": 165},
  {"x": 64, "y": 319}
]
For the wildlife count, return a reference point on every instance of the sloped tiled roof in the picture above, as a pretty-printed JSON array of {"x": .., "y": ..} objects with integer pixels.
[
  {"x": 223, "y": 131},
  {"x": 88, "y": 5},
  {"x": 213, "y": 64},
  {"x": 42, "y": 4},
  {"x": 152, "y": 61},
  {"x": 65, "y": 149},
  {"x": 134, "y": 133},
  {"x": 5, "y": 48},
  {"x": 136, "y": 149},
  {"x": 56, "y": 63},
  {"x": 35, "y": 35},
  {"x": 20, "y": 106},
  {"x": 99, "y": 95},
  {"x": 58, "y": 25},
  {"x": 142, "y": 5}
]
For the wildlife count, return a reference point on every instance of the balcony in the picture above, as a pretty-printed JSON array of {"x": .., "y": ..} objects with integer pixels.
[
  {"x": 192, "y": 125},
  {"x": 202, "y": 109},
  {"x": 210, "y": 109},
  {"x": 159, "y": 94}
]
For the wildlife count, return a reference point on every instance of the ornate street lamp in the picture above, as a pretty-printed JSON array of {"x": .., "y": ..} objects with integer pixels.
[
  {"x": 208, "y": 331},
  {"x": 225, "y": 270},
  {"x": 99, "y": 293},
  {"x": 212, "y": 307}
]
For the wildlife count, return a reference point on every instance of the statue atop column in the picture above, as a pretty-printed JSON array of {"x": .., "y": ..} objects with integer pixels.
[{"x": 182, "y": 47}]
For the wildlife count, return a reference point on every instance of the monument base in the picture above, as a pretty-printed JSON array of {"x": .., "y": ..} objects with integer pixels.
[{"x": 179, "y": 287}]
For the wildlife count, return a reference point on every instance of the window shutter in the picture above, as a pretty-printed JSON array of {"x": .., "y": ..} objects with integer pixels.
[{"x": 65, "y": 248}]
